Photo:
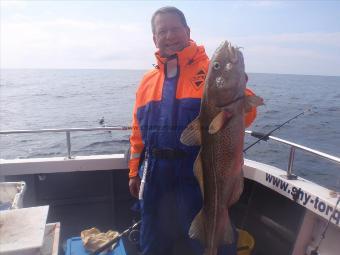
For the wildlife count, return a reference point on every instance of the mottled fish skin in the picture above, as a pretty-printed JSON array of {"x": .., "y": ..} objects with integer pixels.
[{"x": 219, "y": 129}]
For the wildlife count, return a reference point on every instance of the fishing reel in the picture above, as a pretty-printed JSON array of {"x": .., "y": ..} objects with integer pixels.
[
  {"x": 134, "y": 233},
  {"x": 134, "y": 236}
]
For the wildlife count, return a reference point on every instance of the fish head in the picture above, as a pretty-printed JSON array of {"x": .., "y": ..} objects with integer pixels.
[{"x": 226, "y": 79}]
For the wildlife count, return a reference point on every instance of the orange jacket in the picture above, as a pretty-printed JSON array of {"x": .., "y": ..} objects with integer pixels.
[{"x": 193, "y": 66}]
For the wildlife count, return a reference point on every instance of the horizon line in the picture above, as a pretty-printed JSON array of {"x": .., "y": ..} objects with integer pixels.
[{"x": 138, "y": 69}]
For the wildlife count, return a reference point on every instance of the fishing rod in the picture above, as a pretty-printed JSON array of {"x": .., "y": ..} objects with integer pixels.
[
  {"x": 265, "y": 137},
  {"x": 116, "y": 239},
  {"x": 315, "y": 251}
]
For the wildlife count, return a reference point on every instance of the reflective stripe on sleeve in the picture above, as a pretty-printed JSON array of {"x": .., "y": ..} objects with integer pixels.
[{"x": 135, "y": 155}]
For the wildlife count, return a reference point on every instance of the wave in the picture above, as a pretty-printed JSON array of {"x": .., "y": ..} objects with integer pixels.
[
  {"x": 45, "y": 155},
  {"x": 105, "y": 143},
  {"x": 272, "y": 111},
  {"x": 26, "y": 140},
  {"x": 333, "y": 109},
  {"x": 40, "y": 94}
]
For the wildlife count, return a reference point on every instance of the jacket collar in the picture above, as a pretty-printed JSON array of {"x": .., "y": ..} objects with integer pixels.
[{"x": 187, "y": 56}]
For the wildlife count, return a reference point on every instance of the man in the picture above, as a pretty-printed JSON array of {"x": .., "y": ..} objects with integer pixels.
[{"x": 167, "y": 100}]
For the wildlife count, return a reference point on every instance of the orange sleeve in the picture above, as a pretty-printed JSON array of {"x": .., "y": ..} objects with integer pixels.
[
  {"x": 250, "y": 116},
  {"x": 136, "y": 145},
  {"x": 149, "y": 90}
]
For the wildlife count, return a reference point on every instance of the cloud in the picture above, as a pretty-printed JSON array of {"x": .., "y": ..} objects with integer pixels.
[
  {"x": 317, "y": 38},
  {"x": 328, "y": 39},
  {"x": 284, "y": 52},
  {"x": 12, "y": 4},
  {"x": 262, "y": 4},
  {"x": 75, "y": 44},
  {"x": 304, "y": 53},
  {"x": 240, "y": 5},
  {"x": 277, "y": 59}
]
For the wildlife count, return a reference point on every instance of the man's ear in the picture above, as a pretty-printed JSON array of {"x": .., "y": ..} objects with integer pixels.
[
  {"x": 154, "y": 40},
  {"x": 188, "y": 31}
]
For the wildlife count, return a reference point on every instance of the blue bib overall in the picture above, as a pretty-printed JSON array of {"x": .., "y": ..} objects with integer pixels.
[{"x": 171, "y": 195}]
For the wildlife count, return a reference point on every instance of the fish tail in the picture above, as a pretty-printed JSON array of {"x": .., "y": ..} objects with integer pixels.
[
  {"x": 229, "y": 234},
  {"x": 210, "y": 251},
  {"x": 197, "y": 230}
]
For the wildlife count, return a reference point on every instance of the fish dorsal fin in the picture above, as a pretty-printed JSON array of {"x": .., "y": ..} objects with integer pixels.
[
  {"x": 218, "y": 122},
  {"x": 198, "y": 171},
  {"x": 196, "y": 230},
  {"x": 252, "y": 101},
  {"x": 191, "y": 135}
]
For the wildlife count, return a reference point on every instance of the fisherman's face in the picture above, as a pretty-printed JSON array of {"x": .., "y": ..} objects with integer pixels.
[{"x": 170, "y": 34}]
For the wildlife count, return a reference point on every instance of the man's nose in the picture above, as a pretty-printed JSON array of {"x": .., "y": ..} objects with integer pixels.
[{"x": 170, "y": 34}]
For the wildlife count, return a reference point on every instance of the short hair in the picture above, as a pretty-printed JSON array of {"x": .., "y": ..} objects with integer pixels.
[{"x": 168, "y": 9}]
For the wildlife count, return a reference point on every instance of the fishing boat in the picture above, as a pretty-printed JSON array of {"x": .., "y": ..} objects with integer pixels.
[{"x": 282, "y": 213}]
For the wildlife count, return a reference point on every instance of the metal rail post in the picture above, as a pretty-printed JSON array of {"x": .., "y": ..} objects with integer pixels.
[
  {"x": 291, "y": 176},
  {"x": 68, "y": 139}
]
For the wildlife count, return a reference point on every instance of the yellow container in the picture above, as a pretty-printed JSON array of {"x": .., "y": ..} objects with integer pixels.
[{"x": 245, "y": 243}]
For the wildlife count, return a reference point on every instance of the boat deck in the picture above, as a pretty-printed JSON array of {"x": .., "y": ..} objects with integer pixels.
[{"x": 81, "y": 200}]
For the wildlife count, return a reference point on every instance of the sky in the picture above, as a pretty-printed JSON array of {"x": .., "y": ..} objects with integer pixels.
[{"x": 288, "y": 37}]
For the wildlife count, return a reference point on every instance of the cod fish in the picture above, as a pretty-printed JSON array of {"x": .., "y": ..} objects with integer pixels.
[{"x": 219, "y": 129}]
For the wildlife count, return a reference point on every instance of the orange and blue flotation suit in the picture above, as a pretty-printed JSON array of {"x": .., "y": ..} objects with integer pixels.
[{"x": 164, "y": 107}]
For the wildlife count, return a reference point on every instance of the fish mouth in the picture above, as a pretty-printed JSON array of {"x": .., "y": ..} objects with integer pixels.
[
  {"x": 223, "y": 47},
  {"x": 232, "y": 52}
]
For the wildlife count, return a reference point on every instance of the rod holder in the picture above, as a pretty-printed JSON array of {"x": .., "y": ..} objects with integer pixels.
[
  {"x": 291, "y": 176},
  {"x": 68, "y": 140}
]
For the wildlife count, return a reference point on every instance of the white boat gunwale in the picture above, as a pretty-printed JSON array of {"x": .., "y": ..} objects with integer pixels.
[
  {"x": 315, "y": 198},
  {"x": 317, "y": 214},
  {"x": 312, "y": 196}
]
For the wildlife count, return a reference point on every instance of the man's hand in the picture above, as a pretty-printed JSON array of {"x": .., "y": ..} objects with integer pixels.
[{"x": 134, "y": 184}]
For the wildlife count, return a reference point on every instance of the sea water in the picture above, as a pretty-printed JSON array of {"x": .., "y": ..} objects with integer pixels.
[{"x": 44, "y": 99}]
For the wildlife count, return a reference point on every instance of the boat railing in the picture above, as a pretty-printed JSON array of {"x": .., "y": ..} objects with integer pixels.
[
  {"x": 67, "y": 131},
  {"x": 293, "y": 146}
]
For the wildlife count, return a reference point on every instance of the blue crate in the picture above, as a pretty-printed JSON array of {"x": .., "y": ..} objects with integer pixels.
[{"x": 75, "y": 246}]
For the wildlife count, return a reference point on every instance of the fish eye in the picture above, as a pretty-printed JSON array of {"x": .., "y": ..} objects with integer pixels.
[{"x": 216, "y": 65}]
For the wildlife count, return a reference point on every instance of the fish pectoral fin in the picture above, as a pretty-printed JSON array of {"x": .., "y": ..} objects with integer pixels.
[
  {"x": 252, "y": 101},
  {"x": 218, "y": 122},
  {"x": 196, "y": 230},
  {"x": 191, "y": 135},
  {"x": 198, "y": 171}
]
